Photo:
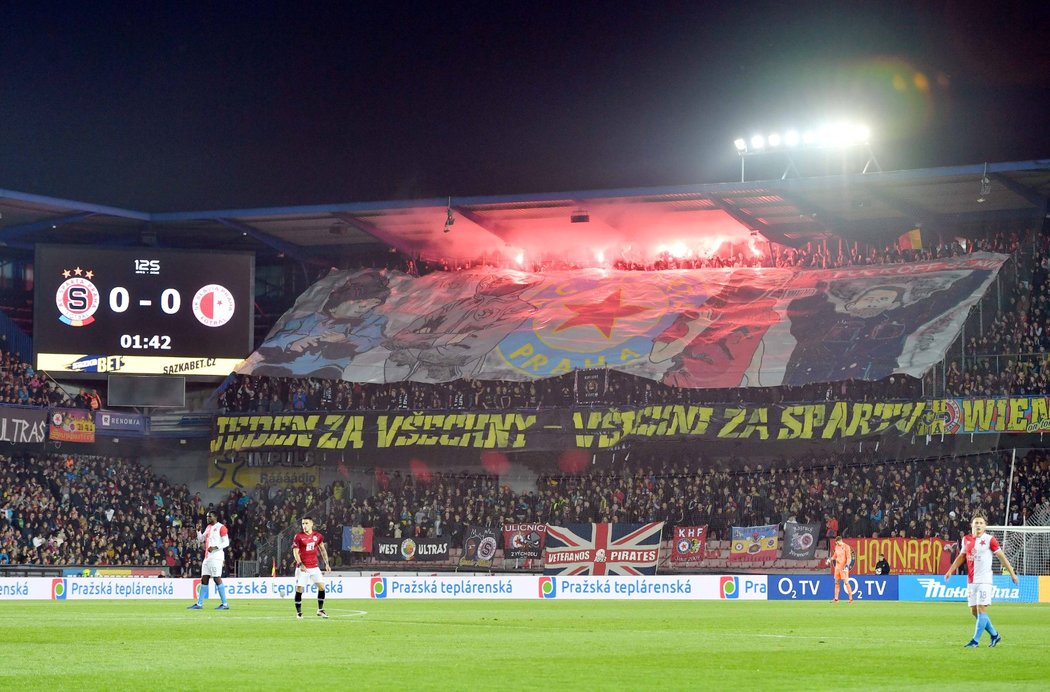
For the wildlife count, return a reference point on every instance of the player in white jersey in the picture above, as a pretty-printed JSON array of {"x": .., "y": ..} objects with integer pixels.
[
  {"x": 215, "y": 538},
  {"x": 977, "y": 549}
]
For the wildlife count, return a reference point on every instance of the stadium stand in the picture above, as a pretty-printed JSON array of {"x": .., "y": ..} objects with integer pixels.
[{"x": 100, "y": 510}]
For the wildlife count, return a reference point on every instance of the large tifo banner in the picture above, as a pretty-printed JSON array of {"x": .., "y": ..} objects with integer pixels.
[
  {"x": 600, "y": 549},
  {"x": 686, "y": 328},
  {"x": 605, "y": 428}
]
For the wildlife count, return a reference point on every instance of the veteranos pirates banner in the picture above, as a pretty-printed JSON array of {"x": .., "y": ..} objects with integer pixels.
[{"x": 686, "y": 328}]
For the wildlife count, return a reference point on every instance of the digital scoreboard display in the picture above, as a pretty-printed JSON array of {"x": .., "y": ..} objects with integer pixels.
[{"x": 141, "y": 311}]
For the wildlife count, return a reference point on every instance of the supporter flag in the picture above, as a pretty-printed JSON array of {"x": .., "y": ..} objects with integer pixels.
[
  {"x": 590, "y": 385},
  {"x": 479, "y": 547},
  {"x": 800, "y": 541},
  {"x": 754, "y": 543},
  {"x": 603, "y": 549},
  {"x": 523, "y": 541},
  {"x": 71, "y": 425},
  {"x": 357, "y": 539},
  {"x": 273, "y": 568},
  {"x": 689, "y": 543},
  {"x": 912, "y": 240}
]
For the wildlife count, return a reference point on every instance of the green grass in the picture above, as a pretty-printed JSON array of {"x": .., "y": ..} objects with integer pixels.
[{"x": 513, "y": 645}]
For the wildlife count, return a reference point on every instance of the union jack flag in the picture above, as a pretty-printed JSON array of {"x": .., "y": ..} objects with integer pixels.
[{"x": 616, "y": 549}]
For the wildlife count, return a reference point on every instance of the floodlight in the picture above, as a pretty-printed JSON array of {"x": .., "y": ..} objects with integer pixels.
[{"x": 833, "y": 134}]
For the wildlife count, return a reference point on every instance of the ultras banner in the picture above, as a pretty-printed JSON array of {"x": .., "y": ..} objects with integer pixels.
[
  {"x": 19, "y": 425},
  {"x": 704, "y": 328},
  {"x": 604, "y": 428},
  {"x": 409, "y": 549}
]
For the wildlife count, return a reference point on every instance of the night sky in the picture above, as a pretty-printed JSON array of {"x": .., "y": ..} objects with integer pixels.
[{"x": 238, "y": 105}]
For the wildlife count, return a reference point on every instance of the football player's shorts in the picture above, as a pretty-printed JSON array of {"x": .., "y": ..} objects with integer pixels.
[
  {"x": 212, "y": 565},
  {"x": 842, "y": 573},
  {"x": 979, "y": 594},
  {"x": 304, "y": 576}
]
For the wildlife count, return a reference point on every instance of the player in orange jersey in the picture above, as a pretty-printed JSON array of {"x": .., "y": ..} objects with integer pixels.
[{"x": 842, "y": 558}]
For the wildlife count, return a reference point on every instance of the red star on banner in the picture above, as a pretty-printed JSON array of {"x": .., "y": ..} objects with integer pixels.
[{"x": 601, "y": 315}]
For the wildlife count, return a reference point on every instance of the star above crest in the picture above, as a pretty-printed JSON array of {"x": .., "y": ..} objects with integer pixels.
[{"x": 602, "y": 316}]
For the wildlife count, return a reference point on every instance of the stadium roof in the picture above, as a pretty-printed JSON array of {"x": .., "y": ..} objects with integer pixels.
[{"x": 872, "y": 206}]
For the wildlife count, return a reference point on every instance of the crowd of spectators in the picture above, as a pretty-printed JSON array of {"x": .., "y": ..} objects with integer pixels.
[
  {"x": 848, "y": 494},
  {"x": 22, "y": 385},
  {"x": 1009, "y": 356},
  {"x": 93, "y": 510},
  {"x": 755, "y": 253},
  {"x": 271, "y": 395},
  {"x": 99, "y": 510}
]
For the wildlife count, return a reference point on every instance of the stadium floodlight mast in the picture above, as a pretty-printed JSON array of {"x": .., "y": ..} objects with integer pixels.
[{"x": 839, "y": 136}]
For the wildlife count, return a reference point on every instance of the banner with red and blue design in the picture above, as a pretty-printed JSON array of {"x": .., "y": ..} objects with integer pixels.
[{"x": 613, "y": 549}]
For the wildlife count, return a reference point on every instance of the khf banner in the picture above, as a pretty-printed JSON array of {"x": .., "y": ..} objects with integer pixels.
[{"x": 688, "y": 543}]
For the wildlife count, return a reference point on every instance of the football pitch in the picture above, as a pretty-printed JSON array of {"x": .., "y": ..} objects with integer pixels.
[{"x": 517, "y": 645}]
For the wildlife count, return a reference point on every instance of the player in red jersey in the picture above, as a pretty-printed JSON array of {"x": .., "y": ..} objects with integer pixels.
[
  {"x": 305, "y": 548},
  {"x": 977, "y": 549}
]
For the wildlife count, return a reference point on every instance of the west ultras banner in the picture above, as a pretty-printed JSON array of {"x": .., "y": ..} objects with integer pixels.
[
  {"x": 705, "y": 328},
  {"x": 604, "y": 428}
]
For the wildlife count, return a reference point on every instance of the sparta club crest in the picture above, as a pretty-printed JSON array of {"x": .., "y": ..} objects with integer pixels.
[{"x": 77, "y": 299}]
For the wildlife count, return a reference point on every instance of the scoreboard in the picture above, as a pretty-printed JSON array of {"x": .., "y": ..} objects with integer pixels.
[{"x": 141, "y": 310}]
